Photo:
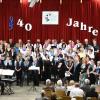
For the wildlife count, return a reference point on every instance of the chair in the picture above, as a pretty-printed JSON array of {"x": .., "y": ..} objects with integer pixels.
[
  {"x": 98, "y": 88},
  {"x": 60, "y": 93},
  {"x": 48, "y": 93},
  {"x": 79, "y": 98},
  {"x": 91, "y": 98},
  {"x": 66, "y": 98}
]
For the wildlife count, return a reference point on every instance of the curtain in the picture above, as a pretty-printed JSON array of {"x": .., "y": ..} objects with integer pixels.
[{"x": 87, "y": 12}]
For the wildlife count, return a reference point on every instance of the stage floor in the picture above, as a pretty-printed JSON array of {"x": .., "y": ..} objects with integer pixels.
[{"x": 23, "y": 93}]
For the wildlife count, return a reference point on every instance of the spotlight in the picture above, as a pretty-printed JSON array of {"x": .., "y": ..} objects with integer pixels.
[
  {"x": 21, "y": 1},
  {"x": 29, "y": 0},
  {"x": 81, "y": 1},
  {"x": 0, "y": 1},
  {"x": 33, "y": 2}
]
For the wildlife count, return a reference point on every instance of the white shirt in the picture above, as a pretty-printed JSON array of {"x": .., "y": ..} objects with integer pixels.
[
  {"x": 76, "y": 92},
  {"x": 69, "y": 88},
  {"x": 23, "y": 52},
  {"x": 39, "y": 45}
]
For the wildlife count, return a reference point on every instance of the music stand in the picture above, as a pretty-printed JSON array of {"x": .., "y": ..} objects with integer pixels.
[
  {"x": 34, "y": 68},
  {"x": 7, "y": 72},
  {"x": 1, "y": 71},
  {"x": 8, "y": 82}
]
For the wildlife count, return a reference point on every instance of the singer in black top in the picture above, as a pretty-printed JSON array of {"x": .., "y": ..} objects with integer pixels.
[
  {"x": 61, "y": 67},
  {"x": 47, "y": 68},
  {"x": 18, "y": 69}
]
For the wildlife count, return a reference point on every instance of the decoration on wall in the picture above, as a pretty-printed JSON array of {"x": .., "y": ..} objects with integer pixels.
[
  {"x": 50, "y": 17},
  {"x": 11, "y": 22},
  {"x": 27, "y": 26},
  {"x": 82, "y": 26}
]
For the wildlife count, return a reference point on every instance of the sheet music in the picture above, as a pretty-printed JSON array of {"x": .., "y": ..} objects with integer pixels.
[
  {"x": 67, "y": 74},
  {"x": 7, "y": 72},
  {"x": 34, "y": 68},
  {"x": 1, "y": 71}
]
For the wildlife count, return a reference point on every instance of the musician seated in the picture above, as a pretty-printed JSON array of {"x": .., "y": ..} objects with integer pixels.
[{"x": 2, "y": 87}]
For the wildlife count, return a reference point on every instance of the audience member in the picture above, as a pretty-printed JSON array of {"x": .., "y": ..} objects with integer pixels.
[
  {"x": 60, "y": 86},
  {"x": 86, "y": 86},
  {"x": 92, "y": 92},
  {"x": 70, "y": 86},
  {"x": 49, "y": 86},
  {"x": 77, "y": 91}
]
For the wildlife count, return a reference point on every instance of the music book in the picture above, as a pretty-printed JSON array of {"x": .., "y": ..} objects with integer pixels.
[
  {"x": 67, "y": 74},
  {"x": 1, "y": 71},
  {"x": 7, "y": 72},
  {"x": 34, "y": 68}
]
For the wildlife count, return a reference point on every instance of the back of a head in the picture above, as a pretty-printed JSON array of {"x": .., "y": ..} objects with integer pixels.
[
  {"x": 71, "y": 82},
  {"x": 59, "y": 82},
  {"x": 48, "y": 82},
  {"x": 87, "y": 81},
  {"x": 77, "y": 85},
  {"x": 42, "y": 93},
  {"x": 92, "y": 88}
]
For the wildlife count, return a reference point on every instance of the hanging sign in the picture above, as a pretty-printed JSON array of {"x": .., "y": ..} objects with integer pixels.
[{"x": 82, "y": 26}]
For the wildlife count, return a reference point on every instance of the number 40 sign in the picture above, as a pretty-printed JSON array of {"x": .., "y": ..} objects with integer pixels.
[{"x": 27, "y": 26}]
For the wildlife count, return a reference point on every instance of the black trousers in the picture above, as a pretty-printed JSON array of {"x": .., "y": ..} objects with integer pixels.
[
  {"x": 35, "y": 78},
  {"x": 2, "y": 87},
  {"x": 19, "y": 78}
]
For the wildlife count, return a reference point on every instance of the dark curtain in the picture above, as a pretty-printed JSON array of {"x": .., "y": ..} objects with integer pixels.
[{"x": 87, "y": 12}]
